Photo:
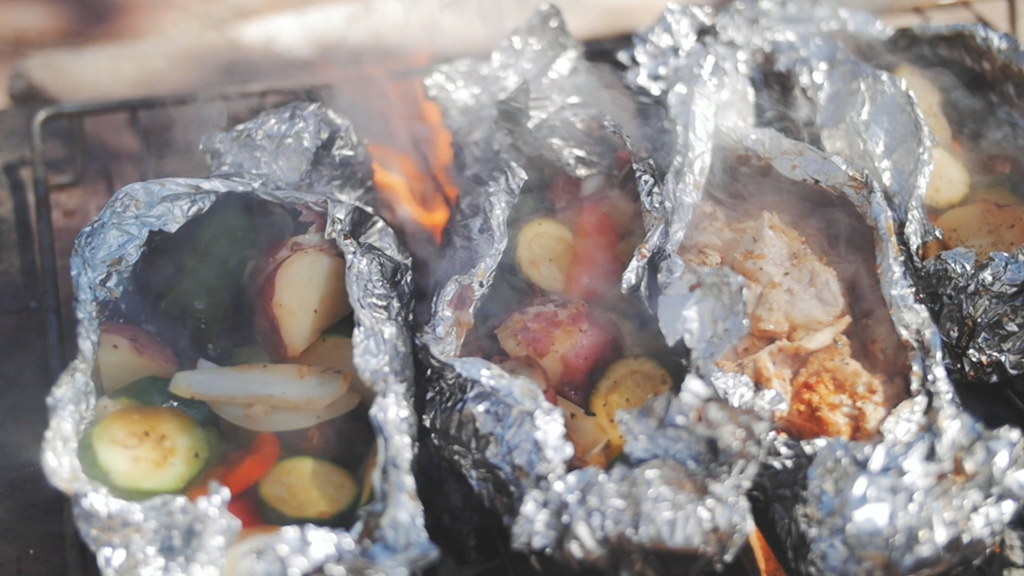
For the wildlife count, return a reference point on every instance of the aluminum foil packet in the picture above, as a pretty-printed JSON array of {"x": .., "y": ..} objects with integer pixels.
[
  {"x": 169, "y": 534},
  {"x": 904, "y": 503},
  {"x": 690, "y": 458},
  {"x": 979, "y": 303},
  {"x": 828, "y": 82}
]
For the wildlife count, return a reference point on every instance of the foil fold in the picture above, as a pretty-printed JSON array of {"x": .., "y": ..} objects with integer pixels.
[
  {"x": 497, "y": 429},
  {"x": 979, "y": 305},
  {"x": 904, "y": 503},
  {"x": 168, "y": 533}
]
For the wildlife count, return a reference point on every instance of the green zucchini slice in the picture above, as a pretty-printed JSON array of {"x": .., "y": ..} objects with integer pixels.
[
  {"x": 140, "y": 451},
  {"x": 304, "y": 489}
]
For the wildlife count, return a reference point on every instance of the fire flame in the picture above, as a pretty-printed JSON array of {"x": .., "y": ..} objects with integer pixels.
[{"x": 415, "y": 180}]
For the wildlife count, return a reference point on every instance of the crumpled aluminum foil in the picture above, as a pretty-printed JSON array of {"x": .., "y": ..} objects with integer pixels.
[
  {"x": 170, "y": 535},
  {"x": 690, "y": 458},
  {"x": 938, "y": 489},
  {"x": 979, "y": 305},
  {"x": 325, "y": 155}
]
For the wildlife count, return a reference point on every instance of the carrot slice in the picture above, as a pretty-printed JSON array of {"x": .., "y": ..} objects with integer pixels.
[
  {"x": 244, "y": 468},
  {"x": 595, "y": 269}
]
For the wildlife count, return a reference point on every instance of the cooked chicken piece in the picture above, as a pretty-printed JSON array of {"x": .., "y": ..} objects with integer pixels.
[
  {"x": 798, "y": 313},
  {"x": 833, "y": 395},
  {"x": 792, "y": 292},
  {"x": 774, "y": 365}
]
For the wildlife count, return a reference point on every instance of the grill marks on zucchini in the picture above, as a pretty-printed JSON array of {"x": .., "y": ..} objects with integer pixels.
[{"x": 140, "y": 451}]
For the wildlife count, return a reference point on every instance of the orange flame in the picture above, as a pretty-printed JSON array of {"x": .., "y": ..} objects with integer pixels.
[{"x": 415, "y": 183}]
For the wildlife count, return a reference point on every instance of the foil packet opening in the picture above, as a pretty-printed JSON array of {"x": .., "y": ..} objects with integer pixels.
[
  {"x": 811, "y": 495},
  {"x": 689, "y": 451},
  {"x": 168, "y": 532}
]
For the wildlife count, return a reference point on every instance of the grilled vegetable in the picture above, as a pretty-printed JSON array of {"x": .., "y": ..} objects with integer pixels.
[
  {"x": 333, "y": 350},
  {"x": 243, "y": 468},
  {"x": 984, "y": 227},
  {"x": 127, "y": 353},
  {"x": 303, "y": 489},
  {"x": 155, "y": 391},
  {"x": 567, "y": 338},
  {"x": 210, "y": 271},
  {"x": 141, "y": 451},
  {"x": 278, "y": 385},
  {"x": 246, "y": 509},
  {"x": 544, "y": 249},
  {"x": 950, "y": 181},
  {"x": 627, "y": 383},
  {"x": 304, "y": 295},
  {"x": 929, "y": 100},
  {"x": 263, "y": 418},
  {"x": 595, "y": 269},
  {"x": 995, "y": 194},
  {"x": 586, "y": 434}
]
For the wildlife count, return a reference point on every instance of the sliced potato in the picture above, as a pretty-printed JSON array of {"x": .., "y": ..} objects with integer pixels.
[
  {"x": 334, "y": 351},
  {"x": 127, "y": 353},
  {"x": 543, "y": 252},
  {"x": 995, "y": 194},
  {"x": 627, "y": 383},
  {"x": 301, "y": 298},
  {"x": 950, "y": 181},
  {"x": 929, "y": 100},
  {"x": 984, "y": 227},
  {"x": 586, "y": 434},
  {"x": 933, "y": 248}
]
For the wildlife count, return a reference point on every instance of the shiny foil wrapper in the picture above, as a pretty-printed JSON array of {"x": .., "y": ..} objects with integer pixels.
[
  {"x": 979, "y": 305},
  {"x": 168, "y": 534},
  {"x": 908, "y": 502},
  {"x": 690, "y": 459}
]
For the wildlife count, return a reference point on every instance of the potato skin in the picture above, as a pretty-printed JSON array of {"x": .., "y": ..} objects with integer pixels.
[{"x": 567, "y": 338}]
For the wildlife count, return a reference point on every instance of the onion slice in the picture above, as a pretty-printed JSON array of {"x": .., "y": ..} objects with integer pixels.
[
  {"x": 275, "y": 385},
  {"x": 272, "y": 419}
]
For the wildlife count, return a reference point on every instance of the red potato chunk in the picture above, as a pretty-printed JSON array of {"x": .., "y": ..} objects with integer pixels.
[
  {"x": 568, "y": 339},
  {"x": 127, "y": 353}
]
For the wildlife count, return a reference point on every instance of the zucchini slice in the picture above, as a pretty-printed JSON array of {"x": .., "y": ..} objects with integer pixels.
[
  {"x": 543, "y": 252},
  {"x": 627, "y": 383},
  {"x": 304, "y": 489},
  {"x": 154, "y": 391},
  {"x": 140, "y": 451}
]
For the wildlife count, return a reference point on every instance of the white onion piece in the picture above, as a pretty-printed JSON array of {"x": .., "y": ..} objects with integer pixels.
[
  {"x": 203, "y": 363},
  {"x": 271, "y": 419},
  {"x": 277, "y": 385}
]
